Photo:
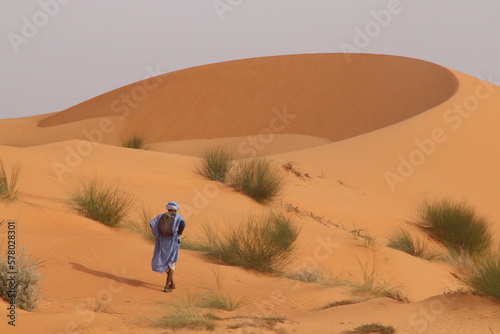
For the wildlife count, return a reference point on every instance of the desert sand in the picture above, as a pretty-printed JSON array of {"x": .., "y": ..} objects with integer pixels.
[{"x": 375, "y": 134}]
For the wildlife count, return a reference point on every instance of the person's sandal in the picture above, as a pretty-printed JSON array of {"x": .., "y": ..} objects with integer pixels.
[{"x": 165, "y": 289}]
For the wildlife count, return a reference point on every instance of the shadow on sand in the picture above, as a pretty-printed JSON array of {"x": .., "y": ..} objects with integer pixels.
[{"x": 114, "y": 276}]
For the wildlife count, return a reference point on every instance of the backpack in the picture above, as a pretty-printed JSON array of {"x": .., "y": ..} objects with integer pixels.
[{"x": 166, "y": 223}]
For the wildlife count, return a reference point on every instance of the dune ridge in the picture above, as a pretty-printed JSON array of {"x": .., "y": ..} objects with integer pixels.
[{"x": 320, "y": 95}]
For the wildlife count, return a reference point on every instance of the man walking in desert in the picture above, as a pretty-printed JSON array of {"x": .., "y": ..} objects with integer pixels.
[{"x": 167, "y": 227}]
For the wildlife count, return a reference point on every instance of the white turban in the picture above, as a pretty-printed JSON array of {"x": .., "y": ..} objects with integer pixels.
[{"x": 173, "y": 206}]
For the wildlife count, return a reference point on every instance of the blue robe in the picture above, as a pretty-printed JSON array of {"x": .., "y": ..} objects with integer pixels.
[{"x": 167, "y": 246}]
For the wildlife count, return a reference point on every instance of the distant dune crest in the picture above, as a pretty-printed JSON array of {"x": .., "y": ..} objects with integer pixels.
[{"x": 320, "y": 95}]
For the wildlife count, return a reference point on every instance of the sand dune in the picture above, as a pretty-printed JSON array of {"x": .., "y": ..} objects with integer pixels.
[
  {"x": 320, "y": 95},
  {"x": 376, "y": 136}
]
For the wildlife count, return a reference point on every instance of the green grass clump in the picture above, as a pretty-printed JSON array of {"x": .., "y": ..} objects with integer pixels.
[
  {"x": 215, "y": 164},
  {"x": 258, "y": 179},
  {"x": 8, "y": 184},
  {"x": 372, "y": 328},
  {"x": 265, "y": 244},
  {"x": 403, "y": 241},
  {"x": 456, "y": 225},
  {"x": 100, "y": 200},
  {"x": 484, "y": 279},
  {"x": 184, "y": 318},
  {"x": 27, "y": 287},
  {"x": 136, "y": 142}
]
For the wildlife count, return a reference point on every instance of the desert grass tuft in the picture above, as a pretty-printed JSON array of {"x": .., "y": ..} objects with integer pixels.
[
  {"x": 99, "y": 306},
  {"x": 341, "y": 303},
  {"x": 215, "y": 164},
  {"x": 258, "y": 179},
  {"x": 135, "y": 142},
  {"x": 185, "y": 318},
  {"x": 456, "y": 225},
  {"x": 27, "y": 284},
  {"x": 484, "y": 278},
  {"x": 268, "y": 323},
  {"x": 402, "y": 240},
  {"x": 8, "y": 191},
  {"x": 100, "y": 200},
  {"x": 219, "y": 299},
  {"x": 372, "y": 328},
  {"x": 305, "y": 274},
  {"x": 265, "y": 243},
  {"x": 373, "y": 284}
]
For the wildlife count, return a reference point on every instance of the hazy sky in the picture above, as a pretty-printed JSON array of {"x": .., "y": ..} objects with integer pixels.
[{"x": 58, "y": 53}]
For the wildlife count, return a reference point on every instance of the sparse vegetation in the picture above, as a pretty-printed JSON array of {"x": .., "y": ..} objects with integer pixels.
[
  {"x": 335, "y": 280},
  {"x": 99, "y": 306},
  {"x": 305, "y": 274},
  {"x": 456, "y": 225},
  {"x": 372, "y": 328},
  {"x": 219, "y": 299},
  {"x": 402, "y": 240},
  {"x": 341, "y": 303},
  {"x": 136, "y": 142},
  {"x": 100, "y": 200},
  {"x": 194, "y": 246},
  {"x": 215, "y": 164},
  {"x": 484, "y": 279},
  {"x": 356, "y": 233},
  {"x": 258, "y": 179},
  {"x": 264, "y": 243},
  {"x": 369, "y": 242},
  {"x": 8, "y": 184},
  {"x": 27, "y": 288},
  {"x": 268, "y": 323},
  {"x": 141, "y": 225},
  {"x": 290, "y": 168},
  {"x": 375, "y": 285},
  {"x": 185, "y": 318}
]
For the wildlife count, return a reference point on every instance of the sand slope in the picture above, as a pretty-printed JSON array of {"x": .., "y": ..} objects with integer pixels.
[{"x": 375, "y": 136}]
